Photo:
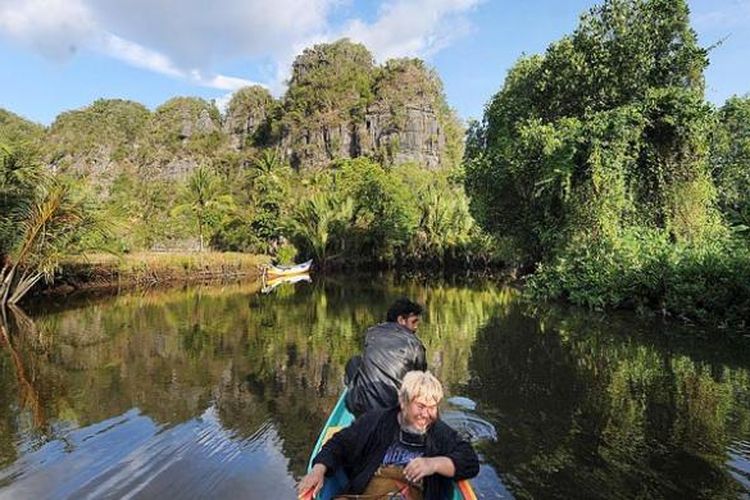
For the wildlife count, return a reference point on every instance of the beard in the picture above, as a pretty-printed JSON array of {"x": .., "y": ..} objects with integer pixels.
[
  {"x": 409, "y": 427},
  {"x": 413, "y": 429}
]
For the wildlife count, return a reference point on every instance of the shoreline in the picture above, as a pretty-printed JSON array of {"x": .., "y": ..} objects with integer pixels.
[{"x": 112, "y": 274}]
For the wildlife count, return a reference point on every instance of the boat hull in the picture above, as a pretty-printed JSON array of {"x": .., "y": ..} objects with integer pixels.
[{"x": 278, "y": 271}]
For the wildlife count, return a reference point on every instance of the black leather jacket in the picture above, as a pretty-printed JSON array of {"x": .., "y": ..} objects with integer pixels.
[{"x": 391, "y": 351}]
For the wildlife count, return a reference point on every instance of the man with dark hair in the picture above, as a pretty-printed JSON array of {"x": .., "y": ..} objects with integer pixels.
[
  {"x": 391, "y": 350},
  {"x": 406, "y": 313}
]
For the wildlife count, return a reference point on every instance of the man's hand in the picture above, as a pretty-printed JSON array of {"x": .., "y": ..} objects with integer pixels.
[
  {"x": 312, "y": 481},
  {"x": 423, "y": 467},
  {"x": 419, "y": 468}
]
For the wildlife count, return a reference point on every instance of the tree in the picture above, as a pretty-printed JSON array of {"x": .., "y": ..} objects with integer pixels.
[
  {"x": 385, "y": 214},
  {"x": 41, "y": 219},
  {"x": 204, "y": 201},
  {"x": 319, "y": 225},
  {"x": 607, "y": 129},
  {"x": 730, "y": 162}
]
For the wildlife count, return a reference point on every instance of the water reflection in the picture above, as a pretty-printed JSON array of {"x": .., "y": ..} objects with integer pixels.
[
  {"x": 221, "y": 391},
  {"x": 603, "y": 410}
]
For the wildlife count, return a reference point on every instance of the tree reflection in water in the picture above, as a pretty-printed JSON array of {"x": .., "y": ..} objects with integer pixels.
[
  {"x": 602, "y": 410},
  {"x": 222, "y": 390}
]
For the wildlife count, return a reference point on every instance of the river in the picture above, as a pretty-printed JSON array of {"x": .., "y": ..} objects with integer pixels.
[{"x": 220, "y": 391}]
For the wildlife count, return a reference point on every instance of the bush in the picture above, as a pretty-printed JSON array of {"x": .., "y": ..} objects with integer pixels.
[{"x": 643, "y": 269}]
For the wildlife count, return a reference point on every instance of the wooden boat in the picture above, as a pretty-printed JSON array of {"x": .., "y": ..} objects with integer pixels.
[
  {"x": 273, "y": 271},
  {"x": 339, "y": 418}
]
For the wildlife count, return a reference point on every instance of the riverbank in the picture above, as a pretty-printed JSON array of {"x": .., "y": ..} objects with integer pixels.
[{"x": 101, "y": 272}]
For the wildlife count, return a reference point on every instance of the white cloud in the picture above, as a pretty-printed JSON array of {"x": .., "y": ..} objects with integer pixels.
[
  {"x": 186, "y": 38},
  {"x": 413, "y": 27},
  {"x": 225, "y": 82},
  {"x": 54, "y": 28},
  {"x": 138, "y": 56},
  {"x": 196, "y": 33}
]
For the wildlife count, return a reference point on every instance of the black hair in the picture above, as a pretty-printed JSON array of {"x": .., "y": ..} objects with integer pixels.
[{"x": 403, "y": 307}]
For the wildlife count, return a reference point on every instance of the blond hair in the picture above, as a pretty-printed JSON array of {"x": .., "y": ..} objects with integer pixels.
[{"x": 420, "y": 384}]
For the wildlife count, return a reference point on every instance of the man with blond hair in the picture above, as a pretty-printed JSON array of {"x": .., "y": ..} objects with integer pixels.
[{"x": 406, "y": 450}]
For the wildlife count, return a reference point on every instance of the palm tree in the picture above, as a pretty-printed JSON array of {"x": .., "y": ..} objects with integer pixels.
[
  {"x": 41, "y": 220},
  {"x": 47, "y": 229},
  {"x": 203, "y": 199},
  {"x": 320, "y": 222}
]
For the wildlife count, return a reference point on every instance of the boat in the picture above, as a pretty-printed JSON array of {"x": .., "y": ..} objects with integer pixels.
[
  {"x": 273, "y": 271},
  {"x": 339, "y": 418},
  {"x": 270, "y": 284}
]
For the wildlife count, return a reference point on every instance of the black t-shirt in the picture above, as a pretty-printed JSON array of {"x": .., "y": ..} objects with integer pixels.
[{"x": 401, "y": 454}]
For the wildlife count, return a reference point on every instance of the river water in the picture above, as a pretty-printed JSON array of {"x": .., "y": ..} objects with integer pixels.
[{"x": 220, "y": 391}]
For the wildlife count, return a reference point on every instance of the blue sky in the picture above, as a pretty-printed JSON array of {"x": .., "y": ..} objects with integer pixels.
[{"x": 57, "y": 55}]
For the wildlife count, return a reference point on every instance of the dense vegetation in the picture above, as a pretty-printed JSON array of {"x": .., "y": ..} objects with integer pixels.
[
  {"x": 599, "y": 166},
  {"x": 42, "y": 215},
  {"x": 612, "y": 175},
  {"x": 342, "y": 169}
]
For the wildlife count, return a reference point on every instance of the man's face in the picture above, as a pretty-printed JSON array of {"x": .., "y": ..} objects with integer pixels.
[
  {"x": 420, "y": 413},
  {"x": 411, "y": 321}
]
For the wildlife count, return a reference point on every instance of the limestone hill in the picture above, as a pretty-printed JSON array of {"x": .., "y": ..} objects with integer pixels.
[{"x": 339, "y": 104}]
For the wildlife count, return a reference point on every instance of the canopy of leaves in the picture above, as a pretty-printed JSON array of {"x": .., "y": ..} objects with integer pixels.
[
  {"x": 607, "y": 129},
  {"x": 730, "y": 162}
]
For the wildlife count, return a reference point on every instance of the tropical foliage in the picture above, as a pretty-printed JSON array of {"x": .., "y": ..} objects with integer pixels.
[
  {"x": 730, "y": 162},
  {"x": 598, "y": 163},
  {"x": 204, "y": 203},
  {"x": 42, "y": 219},
  {"x": 595, "y": 159}
]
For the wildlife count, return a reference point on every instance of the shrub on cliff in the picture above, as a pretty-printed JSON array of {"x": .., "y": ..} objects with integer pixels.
[
  {"x": 107, "y": 130},
  {"x": 247, "y": 116},
  {"x": 186, "y": 125},
  {"x": 329, "y": 81},
  {"x": 17, "y": 130}
]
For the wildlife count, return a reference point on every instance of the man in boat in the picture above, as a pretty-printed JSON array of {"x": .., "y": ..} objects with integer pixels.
[
  {"x": 391, "y": 349},
  {"x": 406, "y": 451}
]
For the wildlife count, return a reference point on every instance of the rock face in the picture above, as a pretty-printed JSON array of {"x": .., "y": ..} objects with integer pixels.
[
  {"x": 418, "y": 139},
  {"x": 247, "y": 116},
  {"x": 340, "y": 105},
  {"x": 407, "y": 121}
]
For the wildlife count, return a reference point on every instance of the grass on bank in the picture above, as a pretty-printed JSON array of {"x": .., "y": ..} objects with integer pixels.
[{"x": 161, "y": 266}]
